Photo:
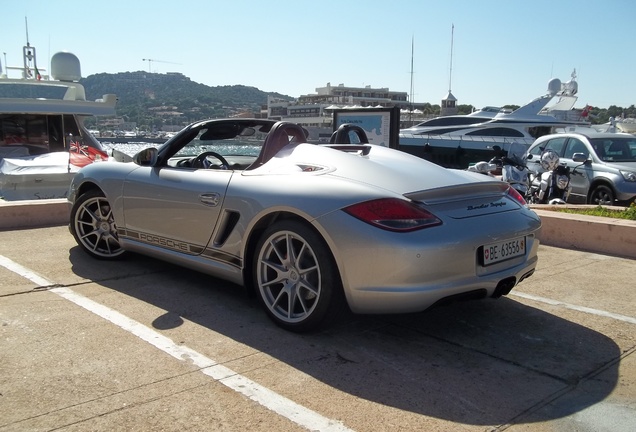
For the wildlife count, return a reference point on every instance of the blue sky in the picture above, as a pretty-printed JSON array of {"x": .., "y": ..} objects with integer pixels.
[{"x": 504, "y": 52}]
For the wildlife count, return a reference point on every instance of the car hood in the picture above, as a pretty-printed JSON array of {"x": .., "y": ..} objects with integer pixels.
[
  {"x": 624, "y": 166},
  {"x": 382, "y": 168}
]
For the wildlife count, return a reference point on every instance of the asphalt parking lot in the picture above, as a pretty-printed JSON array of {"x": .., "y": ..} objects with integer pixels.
[{"x": 143, "y": 345}]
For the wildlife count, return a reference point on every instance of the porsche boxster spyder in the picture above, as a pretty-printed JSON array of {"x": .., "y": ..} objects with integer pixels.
[{"x": 310, "y": 228}]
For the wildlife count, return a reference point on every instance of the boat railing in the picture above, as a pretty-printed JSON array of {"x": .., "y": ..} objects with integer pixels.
[
  {"x": 468, "y": 138},
  {"x": 72, "y": 90}
]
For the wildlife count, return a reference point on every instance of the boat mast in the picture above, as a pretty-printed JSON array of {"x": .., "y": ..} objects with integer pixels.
[
  {"x": 29, "y": 58},
  {"x": 411, "y": 95},
  {"x": 450, "y": 73}
]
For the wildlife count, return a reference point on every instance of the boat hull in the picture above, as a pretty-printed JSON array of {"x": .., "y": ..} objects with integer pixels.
[
  {"x": 627, "y": 127},
  {"x": 34, "y": 186},
  {"x": 45, "y": 176},
  {"x": 455, "y": 151}
]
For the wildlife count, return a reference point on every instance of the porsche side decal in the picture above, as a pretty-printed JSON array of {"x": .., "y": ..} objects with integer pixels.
[{"x": 180, "y": 246}]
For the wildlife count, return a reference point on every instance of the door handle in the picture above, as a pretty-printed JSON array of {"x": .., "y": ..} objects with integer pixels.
[{"x": 210, "y": 198}]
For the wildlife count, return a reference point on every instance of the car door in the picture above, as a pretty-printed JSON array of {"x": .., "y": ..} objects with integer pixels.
[
  {"x": 580, "y": 174},
  {"x": 175, "y": 208}
]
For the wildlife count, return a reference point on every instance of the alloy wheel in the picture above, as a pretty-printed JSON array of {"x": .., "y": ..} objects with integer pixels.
[
  {"x": 289, "y": 277},
  {"x": 94, "y": 227}
]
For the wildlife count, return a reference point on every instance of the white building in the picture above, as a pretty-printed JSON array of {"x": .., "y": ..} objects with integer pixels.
[{"x": 315, "y": 111}]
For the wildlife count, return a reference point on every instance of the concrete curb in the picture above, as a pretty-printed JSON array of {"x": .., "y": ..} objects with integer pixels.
[
  {"x": 586, "y": 233},
  {"x": 33, "y": 213}
]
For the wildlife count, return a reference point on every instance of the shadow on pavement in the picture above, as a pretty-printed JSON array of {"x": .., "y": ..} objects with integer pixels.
[{"x": 481, "y": 362}]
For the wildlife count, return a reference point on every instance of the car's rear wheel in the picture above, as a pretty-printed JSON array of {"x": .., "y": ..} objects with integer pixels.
[
  {"x": 93, "y": 226},
  {"x": 602, "y": 195},
  {"x": 296, "y": 277}
]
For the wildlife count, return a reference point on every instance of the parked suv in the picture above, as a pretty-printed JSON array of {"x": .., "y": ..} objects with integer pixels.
[{"x": 607, "y": 177}]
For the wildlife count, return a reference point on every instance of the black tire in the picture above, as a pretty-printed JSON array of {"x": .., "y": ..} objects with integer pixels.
[
  {"x": 300, "y": 291},
  {"x": 602, "y": 195},
  {"x": 93, "y": 226}
]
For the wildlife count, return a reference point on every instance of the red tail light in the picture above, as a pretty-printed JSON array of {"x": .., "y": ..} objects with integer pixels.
[
  {"x": 514, "y": 194},
  {"x": 393, "y": 214}
]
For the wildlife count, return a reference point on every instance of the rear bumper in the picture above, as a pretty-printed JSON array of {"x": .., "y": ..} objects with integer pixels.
[
  {"x": 387, "y": 272},
  {"x": 422, "y": 297}
]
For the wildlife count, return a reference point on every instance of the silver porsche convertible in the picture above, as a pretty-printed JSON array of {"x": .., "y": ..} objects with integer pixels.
[{"x": 311, "y": 229}]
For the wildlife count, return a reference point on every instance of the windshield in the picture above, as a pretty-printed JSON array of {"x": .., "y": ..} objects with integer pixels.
[
  {"x": 207, "y": 140},
  {"x": 517, "y": 152},
  {"x": 615, "y": 149}
]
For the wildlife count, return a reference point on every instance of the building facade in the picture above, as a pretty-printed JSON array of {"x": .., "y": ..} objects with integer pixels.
[{"x": 315, "y": 111}]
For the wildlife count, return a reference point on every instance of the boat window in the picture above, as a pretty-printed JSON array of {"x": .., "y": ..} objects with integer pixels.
[
  {"x": 70, "y": 125},
  {"x": 38, "y": 133},
  {"x": 503, "y": 132},
  {"x": 452, "y": 121},
  {"x": 28, "y": 130},
  {"x": 56, "y": 133},
  {"x": 539, "y": 131},
  {"x": 441, "y": 131}
]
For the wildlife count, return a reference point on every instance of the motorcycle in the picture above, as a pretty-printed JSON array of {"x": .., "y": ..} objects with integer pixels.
[
  {"x": 512, "y": 166},
  {"x": 483, "y": 167},
  {"x": 492, "y": 168},
  {"x": 553, "y": 185},
  {"x": 515, "y": 171}
]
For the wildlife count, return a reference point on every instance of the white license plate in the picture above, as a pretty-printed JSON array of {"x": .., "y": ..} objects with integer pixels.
[{"x": 501, "y": 251}]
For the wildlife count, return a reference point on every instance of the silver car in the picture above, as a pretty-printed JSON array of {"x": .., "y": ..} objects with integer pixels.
[
  {"x": 608, "y": 175},
  {"x": 310, "y": 228}
]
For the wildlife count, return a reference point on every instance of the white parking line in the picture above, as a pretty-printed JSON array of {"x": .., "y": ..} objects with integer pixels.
[
  {"x": 273, "y": 401},
  {"x": 576, "y": 308}
]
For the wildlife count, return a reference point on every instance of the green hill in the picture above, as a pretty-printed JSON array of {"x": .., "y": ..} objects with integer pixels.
[{"x": 152, "y": 99}]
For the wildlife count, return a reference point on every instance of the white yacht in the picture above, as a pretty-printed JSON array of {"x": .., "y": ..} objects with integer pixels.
[
  {"x": 43, "y": 141},
  {"x": 440, "y": 123},
  {"x": 456, "y": 141},
  {"x": 626, "y": 124}
]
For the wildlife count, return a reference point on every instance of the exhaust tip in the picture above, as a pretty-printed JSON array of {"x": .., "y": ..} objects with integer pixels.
[
  {"x": 504, "y": 287},
  {"x": 527, "y": 275}
]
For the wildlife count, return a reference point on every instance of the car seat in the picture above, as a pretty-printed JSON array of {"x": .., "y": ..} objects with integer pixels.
[
  {"x": 618, "y": 149},
  {"x": 280, "y": 135},
  {"x": 599, "y": 149}
]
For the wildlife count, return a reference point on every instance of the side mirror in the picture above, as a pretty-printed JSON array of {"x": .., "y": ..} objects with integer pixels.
[
  {"x": 146, "y": 157},
  {"x": 579, "y": 157}
]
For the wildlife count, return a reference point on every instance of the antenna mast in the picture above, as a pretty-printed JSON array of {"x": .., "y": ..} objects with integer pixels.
[
  {"x": 450, "y": 73},
  {"x": 411, "y": 97},
  {"x": 28, "y": 54}
]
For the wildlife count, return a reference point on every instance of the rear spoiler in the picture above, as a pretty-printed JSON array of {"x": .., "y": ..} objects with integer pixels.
[{"x": 459, "y": 192}]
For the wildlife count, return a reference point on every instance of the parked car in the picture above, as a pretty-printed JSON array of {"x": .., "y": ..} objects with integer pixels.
[
  {"x": 608, "y": 175},
  {"x": 310, "y": 228}
]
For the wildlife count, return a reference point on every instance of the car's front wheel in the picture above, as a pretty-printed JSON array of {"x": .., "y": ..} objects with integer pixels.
[
  {"x": 296, "y": 278},
  {"x": 602, "y": 195},
  {"x": 93, "y": 226}
]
